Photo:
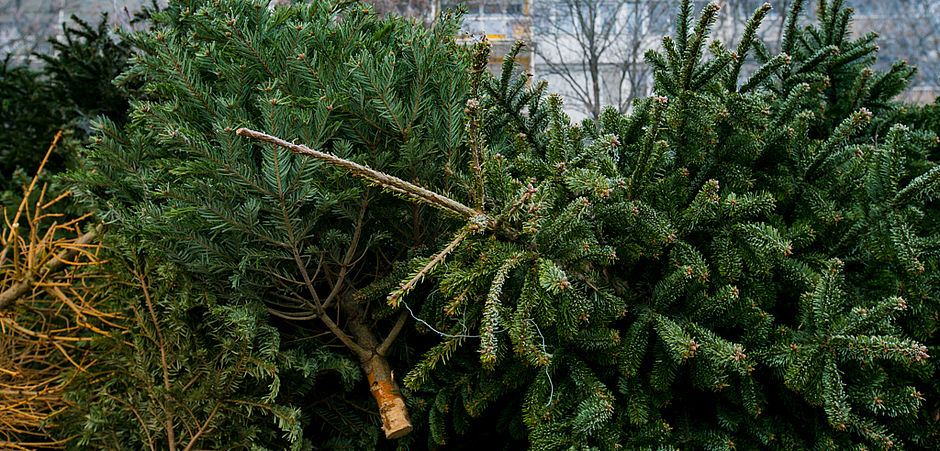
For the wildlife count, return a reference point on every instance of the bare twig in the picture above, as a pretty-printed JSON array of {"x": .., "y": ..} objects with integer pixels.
[
  {"x": 11, "y": 294},
  {"x": 62, "y": 309},
  {"x": 386, "y": 181}
]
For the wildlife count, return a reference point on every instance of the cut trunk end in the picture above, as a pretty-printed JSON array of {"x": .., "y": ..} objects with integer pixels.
[{"x": 395, "y": 420}]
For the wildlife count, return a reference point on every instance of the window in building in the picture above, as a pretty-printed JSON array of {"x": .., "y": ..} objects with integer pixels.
[{"x": 487, "y": 7}]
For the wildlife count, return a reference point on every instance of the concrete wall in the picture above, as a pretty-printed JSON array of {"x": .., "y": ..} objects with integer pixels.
[{"x": 25, "y": 24}]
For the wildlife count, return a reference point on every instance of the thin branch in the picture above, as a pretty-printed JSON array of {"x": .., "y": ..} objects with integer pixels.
[
  {"x": 387, "y": 343},
  {"x": 394, "y": 297},
  {"x": 24, "y": 202},
  {"x": 350, "y": 253},
  {"x": 139, "y": 419},
  {"x": 171, "y": 436},
  {"x": 202, "y": 429},
  {"x": 387, "y": 181},
  {"x": 10, "y": 295},
  {"x": 288, "y": 316},
  {"x": 321, "y": 310}
]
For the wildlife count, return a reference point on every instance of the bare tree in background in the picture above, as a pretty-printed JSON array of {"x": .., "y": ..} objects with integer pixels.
[
  {"x": 644, "y": 26},
  {"x": 909, "y": 30},
  {"x": 595, "y": 48},
  {"x": 592, "y": 50}
]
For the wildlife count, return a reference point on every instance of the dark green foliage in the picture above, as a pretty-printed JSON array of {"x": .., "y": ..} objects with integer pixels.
[
  {"x": 281, "y": 240},
  {"x": 71, "y": 87},
  {"x": 735, "y": 264},
  {"x": 211, "y": 366},
  {"x": 81, "y": 68},
  {"x": 29, "y": 118},
  {"x": 837, "y": 68}
]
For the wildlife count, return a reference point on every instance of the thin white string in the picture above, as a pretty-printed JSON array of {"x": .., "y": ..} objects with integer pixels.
[
  {"x": 550, "y": 383},
  {"x": 432, "y": 327},
  {"x": 544, "y": 349}
]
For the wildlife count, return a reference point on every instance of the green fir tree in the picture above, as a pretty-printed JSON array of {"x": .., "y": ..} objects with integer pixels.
[
  {"x": 282, "y": 241},
  {"x": 71, "y": 86},
  {"x": 740, "y": 262}
]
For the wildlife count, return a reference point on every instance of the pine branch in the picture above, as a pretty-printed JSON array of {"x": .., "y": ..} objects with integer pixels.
[
  {"x": 394, "y": 297},
  {"x": 386, "y": 181},
  {"x": 161, "y": 344},
  {"x": 745, "y": 45},
  {"x": 791, "y": 30}
]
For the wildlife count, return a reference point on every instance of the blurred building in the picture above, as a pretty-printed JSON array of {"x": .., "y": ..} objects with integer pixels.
[
  {"x": 502, "y": 22},
  {"x": 907, "y": 29},
  {"x": 26, "y": 24}
]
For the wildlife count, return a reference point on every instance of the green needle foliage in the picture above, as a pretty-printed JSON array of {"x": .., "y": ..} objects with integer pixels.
[
  {"x": 72, "y": 86},
  {"x": 724, "y": 267},
  {"x": 280, "y": 240},
  {"x": 188, "y": 371},
  {"x": 29, "y": 118},
  {"x": 737, "y": 263},
  {"x": 81, "y": 68}
]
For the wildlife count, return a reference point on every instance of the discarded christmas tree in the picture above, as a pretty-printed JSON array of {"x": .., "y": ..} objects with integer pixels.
[
  {"x": 736, "y": 263},
  {"x": 714, "y": 269},
  {"x": 288, "y": 241}
]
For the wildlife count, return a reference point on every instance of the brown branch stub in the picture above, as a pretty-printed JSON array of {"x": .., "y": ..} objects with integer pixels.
[
  {"x": 395, "y": 419},
  {"x": 385, "y": 180}
]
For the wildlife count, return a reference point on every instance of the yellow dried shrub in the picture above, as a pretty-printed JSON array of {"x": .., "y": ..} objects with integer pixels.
[{"x": 49, "y": 310}]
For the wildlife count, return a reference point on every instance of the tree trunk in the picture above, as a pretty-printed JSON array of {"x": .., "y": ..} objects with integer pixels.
[{"x": 395, "y": 420}]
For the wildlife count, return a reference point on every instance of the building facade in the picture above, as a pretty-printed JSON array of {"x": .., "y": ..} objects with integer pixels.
[
  {"x": 591, "y": 51},
  {"x": 501, "y": 22}
]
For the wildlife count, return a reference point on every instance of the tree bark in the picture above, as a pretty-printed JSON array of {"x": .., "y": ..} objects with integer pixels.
[{"x": 395, "y": 419}]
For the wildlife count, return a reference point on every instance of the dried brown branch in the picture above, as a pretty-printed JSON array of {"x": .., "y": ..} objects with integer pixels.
[
  {"x": 385, "y": 180},
  {"x": 42, "y": 269},
  {"x": 65, "y": 257}
]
